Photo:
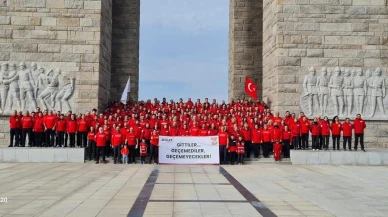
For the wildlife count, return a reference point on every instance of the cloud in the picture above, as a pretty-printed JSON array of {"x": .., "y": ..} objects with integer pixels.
[{"x": 187, "y": 15}]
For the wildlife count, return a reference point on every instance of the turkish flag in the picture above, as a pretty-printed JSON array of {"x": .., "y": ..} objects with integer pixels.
[{"x": 250, "y": 88}]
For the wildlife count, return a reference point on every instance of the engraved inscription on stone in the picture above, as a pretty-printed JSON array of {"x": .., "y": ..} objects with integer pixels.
[
  {"x": 23, "y": 88},
  {"x": 344, "y": 93}
]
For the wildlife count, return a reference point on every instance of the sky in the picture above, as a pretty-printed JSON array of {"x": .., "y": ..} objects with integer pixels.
[{"x": 184, "y": 49}]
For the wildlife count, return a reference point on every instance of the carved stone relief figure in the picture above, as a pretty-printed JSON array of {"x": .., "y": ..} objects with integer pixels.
[
  {"x": 359, "y": 91},
  {"x": 26, "y": 86},
  {"x": 368, "y": 77},
  {"x": 3, "y": 86},
  {"x": 50, "y": 92},
  {"x": 323, "y": 90},
  {"x": 336, "y": 93},
  {"x": 14, "y": 92},
  {"x": 378, "y": 91},
  {"x": 65, "y": 92},
  {"x": 311, "y": 90},
  {"x": 348, "y": 91},
  {"x": 35, "y": 74}
]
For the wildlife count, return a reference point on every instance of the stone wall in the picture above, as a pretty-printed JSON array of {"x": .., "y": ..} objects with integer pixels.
[
  {"x": 65, "y": 34},
  {"x": 245, "y": 45},
  {"x": 125, "y": 47},
  {"x": 319, "y": 33}
]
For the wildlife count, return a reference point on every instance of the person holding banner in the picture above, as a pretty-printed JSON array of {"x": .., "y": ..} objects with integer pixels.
[
  {"x": 154, "y": 147},
  {"x": 232, "y": 149},
  {"x": 131, "y": 141},
  {"x": 223, "y": 142},
  {"x": 240, "y": 150}
]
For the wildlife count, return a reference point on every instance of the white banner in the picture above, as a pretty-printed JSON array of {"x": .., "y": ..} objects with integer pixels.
[{"x": 189, "y": 150}]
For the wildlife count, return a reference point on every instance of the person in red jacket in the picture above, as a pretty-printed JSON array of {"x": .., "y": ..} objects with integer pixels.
[
  {"x": 232, "y": 147},
  {"x": 247, "y": 137},
  {"x": 71, "y": 129},
  {"x": 286, "y": 142},
  {"x": 108, "y": 133},
  {"x": 125, "y": 153},
  {"x": 256, "y": 140},
  {"x": 131, "y": 141},
  {"x": 223, "y": 142},
  {"x": 143, "y": 150},
  {"x": 116, "y": 142},
  {"x": 154, "y": 147},
  {"x": 277, "y": 150},
  {"x": 203, "y": 131},
  {"x": 194, "y": 130},
  {"x": 50, "y": 122},
  {"x": 347, "y": 129},
  {"x": 305, "y": 130},
  {"x": 174, "y": 129},
  {"x": 359, "y": 127},
  {"x": 100, "y": 143},
  {"x": 146, "y": 134},
  {"x": 91, "y": 144},
  {"x": 295, "y": 134},
  {"x": 184, "y": 131},
  {"x": 336, "y": 127},
  {"x": 266, "y": 140},
  {"x": 27, "y": 125},
  {"x": 61, "y": 130},
  {"x": 315, "y": 133},
  {"x": 325, "y": 133},
  {"x": 39, "y": 130},
  {"x": 14, "y": 125},
  {"x": 240, "y": 150},
  {"x": 82, "y": 131}
]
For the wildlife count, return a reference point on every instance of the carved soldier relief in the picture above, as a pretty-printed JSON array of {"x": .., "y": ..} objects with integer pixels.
[
  {"x": 23, "y": 88},
  {"x": 345, "y": 92}
]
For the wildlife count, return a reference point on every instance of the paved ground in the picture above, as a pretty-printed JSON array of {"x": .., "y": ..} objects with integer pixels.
[{"x": 250, "y": 190}]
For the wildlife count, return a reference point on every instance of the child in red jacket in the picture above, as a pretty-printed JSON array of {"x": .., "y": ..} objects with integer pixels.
[
  {"x": 277, "y": 150},
  {"x": 240, "y": 150},
  {"x": 143, "y": 150},
  {"x": 125, "y": 153}
]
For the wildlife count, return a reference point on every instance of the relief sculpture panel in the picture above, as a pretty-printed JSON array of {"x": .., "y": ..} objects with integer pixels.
[
  {"x": 344, "y": 92},
  {"x": 24, "y": 88}
]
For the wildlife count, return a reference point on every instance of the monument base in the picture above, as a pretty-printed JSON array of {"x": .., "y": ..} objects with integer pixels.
[
  {"x": 42, "y": 155},
  {"x": 372, "y": 157}
]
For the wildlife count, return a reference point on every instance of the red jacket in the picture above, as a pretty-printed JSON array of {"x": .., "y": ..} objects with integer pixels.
[
  {"x": 347, "y": 129},
  {"x": 305, "y": 127},
  {"x": 202, "y": 132},
  {"x": 325, "y": 128},
  {"x": 100, "y": 139},
  {"x": 146, "y": 133},
  {"x": 277, "y": 148},
  {"x": 240, "y": 147},
  {"x": 143, "y": 149},
  {"x": 295, "y": 129},
  {"x": 125, "y": 151},
  {"x": 154, "y": 140},
  {"x": 336, "y": 128},
  {"x": 131, "y": 139},
  {"x": 116, "y": 139},
  {"x": 71, "y": 127},
  {"x": 246, "y": 133},
  {"x": 38, "y": 125},
  {"x": 61, "y": 125},
  {"x": 277, "y": 134},
  {"x": 27, "y": 122},
  {"x": 256, "y": 136},
  {"x": 91, "y": 136},
  {"x": 184, "y": 132},
  {"x": 286, "y": 135},
  {"x": 15, "y": 122},
  {"x": 50, "y": 121},
  {"x": 359, "y": 126},
  {"x": 315, "y": 129},
  {"x": 174, "y": 131},
  {"x": 266, "y": 136},
  {"x": 82, "y": 125}
]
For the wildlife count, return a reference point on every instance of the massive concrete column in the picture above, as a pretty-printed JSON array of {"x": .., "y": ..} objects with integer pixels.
[
  {"x": 245, "y": 45},
  {"x": 125, "y": 47}
]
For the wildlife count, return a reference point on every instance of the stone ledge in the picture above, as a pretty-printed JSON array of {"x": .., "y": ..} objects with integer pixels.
[
  {"x": 40, "y": 155},
  {"x": 372, "y": 157}
]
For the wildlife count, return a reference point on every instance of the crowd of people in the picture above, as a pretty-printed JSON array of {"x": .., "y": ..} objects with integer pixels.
[{"x": 245, "y": 128}]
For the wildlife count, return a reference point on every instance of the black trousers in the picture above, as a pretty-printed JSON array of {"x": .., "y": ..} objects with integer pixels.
[
  {"x": 320, "y": 142},
  {"x": 348, "y": 140},
  {"x": 305, "y": 140},
  {"x": 248, "y": 148},
  {"x": 49, "y": 134},
  {"x": 14, "y": 134},
  {"x": 61, "y": 138},
  {"x": 116, "y": 153},
  {"x": 256, "y": 149},
  {"x": 286, "y": 148},
  {"x": 108, "y": 149},
  {"x": 222, "y": 150},
  {"x": 66, "y": 139},
  {"x": 132, "y": 154},
  {"x": 100, "y": 150},
  {"x": 315, "y": 142},
  {"x": 26, "y": 132},
  {"x": 266, "y": 150},
  {"x": 82, "y": 138},
  {"x": 240, "y": 158},
  {"x": 233, "y": 156},
  {"x": 296, "y": 142},
  {"x": 91, "y": 149},
  {"x": 39, "y": 138},
  {"x": 72, "y": 140},
  {"x": 336, "y": 141},
  {"x": 325, "y": 142},
  {"x": 154, "y": 154},
  {"x": 359, "y": 136}
]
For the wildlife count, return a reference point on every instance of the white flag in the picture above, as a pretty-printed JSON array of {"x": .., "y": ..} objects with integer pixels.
[{"x": 124, "y": 96}]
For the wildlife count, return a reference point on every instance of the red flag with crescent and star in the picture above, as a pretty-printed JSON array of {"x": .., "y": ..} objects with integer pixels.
[{"x": 250, "y": 88}]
